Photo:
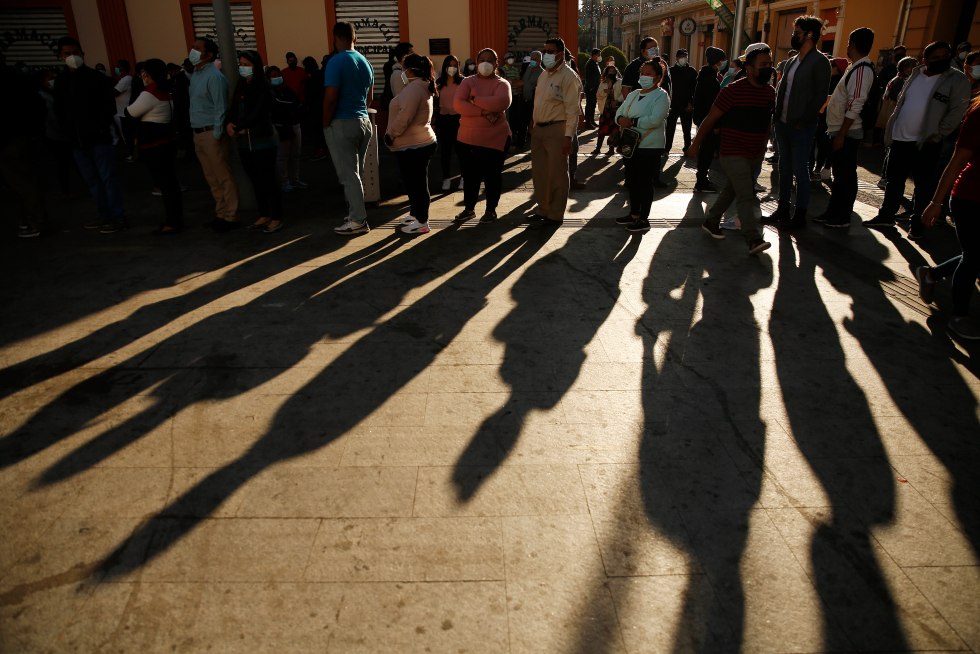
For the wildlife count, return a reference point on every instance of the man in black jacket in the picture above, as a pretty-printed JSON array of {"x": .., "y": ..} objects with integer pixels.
[
  {"x": 684, "y": 79},
  {"x": 649, "y": 48},
  {"x": 801, "y": 94},
  {"x": 705, "y": 91},
  {"x": 85, "y": 103},
  {"x": 592, "y": 78}
]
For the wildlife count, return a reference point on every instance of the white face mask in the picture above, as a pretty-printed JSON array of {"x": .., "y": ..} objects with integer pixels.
[
  {"x": 485, "y": 68},
  {"x": 510, "y": 61},
  {"x": 653, "y": 52},
  {"x": 682, "y": 61},
  {"x": 549, "y": 60},
  {"x": 74, "y": 61},
  {"x": 646, "y": 82},
  {"x": 471, "y": 67},
  {"x": 452, "y": 70},
  {"x": 194, "y": 56},
  {"x": 404, "y": 78},
  {"x": 975, "y": 72}
]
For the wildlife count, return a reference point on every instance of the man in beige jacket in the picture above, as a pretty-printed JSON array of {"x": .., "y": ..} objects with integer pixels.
[{"x": 557, "y": 105}]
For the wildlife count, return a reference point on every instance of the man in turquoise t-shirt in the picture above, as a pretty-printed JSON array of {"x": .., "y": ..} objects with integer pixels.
[{"x": 349, "y": 82}]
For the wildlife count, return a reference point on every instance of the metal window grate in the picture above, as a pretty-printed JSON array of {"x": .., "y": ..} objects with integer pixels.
[
  {"x": 30, "y": 35},
  {"x": 529, "y": 23},
  {"x": 242, "y": 19},
  {"x": 376, "y": 25}
]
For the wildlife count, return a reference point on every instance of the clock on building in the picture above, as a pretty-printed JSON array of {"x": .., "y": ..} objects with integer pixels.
[{"x": 688, "y": 26}]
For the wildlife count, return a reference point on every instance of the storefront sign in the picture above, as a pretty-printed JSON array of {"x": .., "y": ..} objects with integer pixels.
[{"x": 529, "y": 24}]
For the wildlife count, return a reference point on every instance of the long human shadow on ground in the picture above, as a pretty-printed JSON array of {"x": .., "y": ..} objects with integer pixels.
[
  {"x": 700, "y": 398},
  {"x": 114, "y": 336},
  {"x": 916, "y": 369},
  {"x": 831, "y": 422},
  {"x": 223, "y": 355},
  {"x": 364, "y": 376},
  {"x": 561, "y": 301}
]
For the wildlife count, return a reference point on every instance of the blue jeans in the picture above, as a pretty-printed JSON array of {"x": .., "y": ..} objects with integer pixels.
[
  {"x": 795, "y": 145},
  {"x": 347, "y": 139},
  {"x": 97, "y": 166}
]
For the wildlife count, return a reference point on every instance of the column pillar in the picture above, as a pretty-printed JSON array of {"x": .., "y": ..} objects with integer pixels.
[{"x": 115, "y": 29}]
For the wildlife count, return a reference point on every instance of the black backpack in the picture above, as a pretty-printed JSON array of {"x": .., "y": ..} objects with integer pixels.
[{"x": 869, "y": 112}]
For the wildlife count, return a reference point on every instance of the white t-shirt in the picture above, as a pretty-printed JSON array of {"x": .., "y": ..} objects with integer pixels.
[
  {"x": 788, "y": 81},
  {"x": 151, "y": 109},
  {"x": 122, "y": 88},
  {"x": 918, "y": 93}
]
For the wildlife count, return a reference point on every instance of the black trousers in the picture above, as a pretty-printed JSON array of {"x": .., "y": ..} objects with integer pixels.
[
  {"x": 844, "y": 188},
  {"x": 641, "y": 169},
  {"x": 963, "y": 268},
  {"x": 590, "y": 102},
  {"x": 260, "y": 166},
  {"x": 672, "y": 117},
  {"x": 905, "y": 159},
  {"x": 161, "y": 162},
  {"x": 706, "y": 155},
  {"x": 521, "y": 111},
  {"x": 481, "y": 165},
  {"x": 414, "y": 167},
  {"x": 447, "y": 128}
]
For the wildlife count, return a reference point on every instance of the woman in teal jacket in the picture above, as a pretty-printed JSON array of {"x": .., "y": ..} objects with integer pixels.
[{"x": 644, "y": 109}]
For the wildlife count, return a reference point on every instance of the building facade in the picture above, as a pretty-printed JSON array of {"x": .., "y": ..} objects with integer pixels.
[{"x": 110, "y": 30}]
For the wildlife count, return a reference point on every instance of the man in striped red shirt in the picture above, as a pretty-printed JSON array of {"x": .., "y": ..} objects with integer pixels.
[
  {"x": 742, "y": 113},
  {"x": 846, "y": 129}
]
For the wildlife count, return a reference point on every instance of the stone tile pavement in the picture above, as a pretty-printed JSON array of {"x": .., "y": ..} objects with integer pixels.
[{"x": 485, "y": 439}]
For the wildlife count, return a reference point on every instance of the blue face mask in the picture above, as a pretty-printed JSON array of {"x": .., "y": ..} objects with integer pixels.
[
  {"x": 276, "y": 81},
  {"x": 646, "y": 82},
  {"x": 532, "y": 64},
  {"x": 549, "y": 60},
  {"x": 117, "y": 72},
  {"x": 245, "y": 71},
  {"x": 194, "y": 56}
]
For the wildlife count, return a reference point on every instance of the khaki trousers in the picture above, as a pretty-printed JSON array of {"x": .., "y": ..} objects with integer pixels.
[
  {"x": 549, "y": 170},
  {"x": 214, "y": 157}
]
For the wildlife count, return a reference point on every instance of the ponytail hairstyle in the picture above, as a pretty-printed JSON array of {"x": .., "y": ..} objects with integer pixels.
[{"x": 422, "y": 67}]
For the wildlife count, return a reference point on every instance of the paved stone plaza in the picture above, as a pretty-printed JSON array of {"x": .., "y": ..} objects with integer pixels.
[{"x": 485, "y": 439}]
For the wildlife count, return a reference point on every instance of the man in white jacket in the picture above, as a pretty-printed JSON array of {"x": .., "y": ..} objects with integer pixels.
[{"x": 846, "y": 129}]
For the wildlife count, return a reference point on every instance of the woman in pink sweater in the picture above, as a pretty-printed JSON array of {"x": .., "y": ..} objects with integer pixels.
[
  {"x": 447, "y": 119},
  {"x": 411, "y": 138},
  {"x": 484, "y": 135}
]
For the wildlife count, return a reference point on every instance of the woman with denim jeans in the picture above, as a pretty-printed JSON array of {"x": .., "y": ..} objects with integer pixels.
[
  {"x": 411, "y": 138},
  {"x": 962, "y": 178}
]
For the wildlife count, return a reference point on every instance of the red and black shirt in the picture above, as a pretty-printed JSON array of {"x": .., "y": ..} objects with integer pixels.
[{"x": 744, "y": 127}]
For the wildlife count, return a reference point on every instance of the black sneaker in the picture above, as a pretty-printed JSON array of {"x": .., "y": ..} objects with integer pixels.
[
  {"x": 926, "y": 285},
  {"x": 758, "y": 245},
  {"x": 835, "y": 224},
  {"x": 221, "y": 225},
  {"x": 880, "y": 221},
  {"x": 780, "y": 215},
  {"x": 822, "y": 218},
  {"x": 639, "y": 226},
  {"x": 705, "y": 187},
  {"x": 111, "y": 228},
  {"x": 712, "y": 229},
  {"x": 540, "y": 222},
  {"x": 488, "y": 217},
  {"x": 28, "y": 232},
  {"x": 624, "y": 220},
  {"x": 464, "y": 215}
]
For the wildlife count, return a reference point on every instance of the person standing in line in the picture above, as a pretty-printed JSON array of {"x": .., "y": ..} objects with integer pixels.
[
  {"x": 447, "y": 120},
  {"x": 574, "y": 183},
  {"x": 484, "y": 135},
  {"x": 287, "y": 114},
  {"x": 742, "y": 113},
  {"x": 649, "y": 48},
  {"x": 469, "y": 67},
  {"x": 85, "y": 105},
  {"x": 529, "y": 80},
  {"x": 930, "y": 108},
  {"x": 249, "y": 122},
  {"x": 209, "y": 105},
  {"x": 121, "y": 90},
  {"x": 313, "y": 109},
  {"x": 962, "y": 51},
  {"x": 645, "y": 110},
  {"x": 685, "y": 79},
  {"x": 23, "y": 112},
  {"x": 411, "y": 138},
  {"x": 58, "y": 147},
  {"x": 153, "y": 112},
  {"x": 294, "y": 78},
  {"x": 348, "y": 82},
  {"x": 593, "y": 76},
  {"x": 610, "y": 97},
  {"x": 799, "y": 97},
  {"x": 401, "y": 51},
  {"x": 846, "y": 128},
  {"x": 556, "y": 114},
  {"x": 705, "y": 91},
  {"x": 962, "y": 179}
]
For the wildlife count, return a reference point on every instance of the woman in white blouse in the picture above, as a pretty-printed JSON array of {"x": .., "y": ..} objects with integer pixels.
[{"x": 153, "y": 108}]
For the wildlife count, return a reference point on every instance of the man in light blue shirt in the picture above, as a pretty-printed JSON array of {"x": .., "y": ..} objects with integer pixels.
[
  {"x": 349, "y": 82},
  {"x": 209, "y": 104}
]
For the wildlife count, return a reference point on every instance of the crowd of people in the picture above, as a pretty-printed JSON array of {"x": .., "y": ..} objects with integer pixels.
[{"x": 816, "y": 111}]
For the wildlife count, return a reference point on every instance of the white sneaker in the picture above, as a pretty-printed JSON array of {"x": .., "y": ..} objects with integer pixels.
[
  {"x": 350, "y": 227},
  {"x": 415, "y": 227},
  {"x": 446, "y": 183},
  {"x": 460, "y": 183},
  {"x": 407, "y": 220}
]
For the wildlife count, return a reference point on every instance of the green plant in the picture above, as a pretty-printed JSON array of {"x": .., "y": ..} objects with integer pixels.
[
  {"x": 615, "y": 53},
  {"x": 582, "y": 58}
]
